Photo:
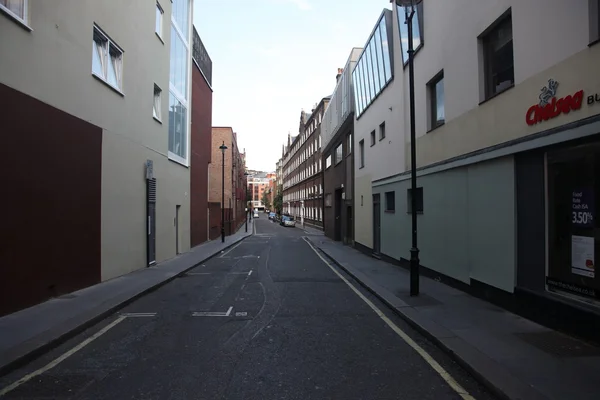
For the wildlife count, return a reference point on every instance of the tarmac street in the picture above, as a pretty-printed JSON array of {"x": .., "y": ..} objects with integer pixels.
[{"x": 269, "y": 318}]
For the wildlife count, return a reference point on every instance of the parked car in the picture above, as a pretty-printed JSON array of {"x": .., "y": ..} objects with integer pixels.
[
  {"x": 255, "y": 213},
  {"x": 287, "y": 220},
  {"x": 272, "y": 215}
]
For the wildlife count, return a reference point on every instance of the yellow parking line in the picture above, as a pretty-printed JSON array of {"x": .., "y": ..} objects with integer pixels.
[{"x": 434, "y": 364}]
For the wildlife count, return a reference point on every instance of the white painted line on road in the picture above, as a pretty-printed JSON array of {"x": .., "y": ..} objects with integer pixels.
[
  {"x": 61, "y": 358},
  {"x": 139, "y": 314},
  {"x": 228, "y": 251},
  {"x": 430, "y": 360},
  {"x": 199, "y": 273},
  {"x": 250, "y": 273},
  {"x": 229, "y": 311},
  {"x": 241, "y": 314},
  {"x": 237, "y": 273},
  {"x": 209, "y": 314}
]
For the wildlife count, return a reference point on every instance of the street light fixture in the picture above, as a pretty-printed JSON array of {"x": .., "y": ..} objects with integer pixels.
[
  {"x": 246, "y": 201},
  {"x": 223, "y": 148},
  {"x": 409, "y": 13}
]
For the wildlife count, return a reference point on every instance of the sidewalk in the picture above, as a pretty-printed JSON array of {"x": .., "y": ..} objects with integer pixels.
[
  {"x": 514, "y": 357},
  {"x": 28, "y": 333}
]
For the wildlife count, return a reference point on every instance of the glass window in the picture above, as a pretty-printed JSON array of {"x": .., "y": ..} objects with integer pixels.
[
  {"x": 180, "y": 11},
  {"x": 417, "y": 34},
  {"x": 349, "y": 145},
  {"x": 498, "y": 58},
  {"x": 375, "y": 68},
  {"x": 361, "y": 147},
  {"x": 159, "y": 20},
  {"x": 437, "y": 101},
  {"x": 179, "y": 62},
  {"x": 177, "y": 128},
  {"x": 372, "y": 138},
  {"x": 382, "y": 131},
  {"x": 390, "y": 201},
  {"x": 359, "y": 89},
  {"x": 339, "y": 155},
  {"x": 379, "y": 59},
  {"x": 16, "y": 8},
  {"x": 368, "y": 75},
  {"x": 361, "y": 80},
  {"x": 386, "y": 50},
  {"x": 328, "y": 162},
  {"x": 107, "y": 60},
  {"x": 355, "y": 88},
  {"x": 157, "y": 108}
]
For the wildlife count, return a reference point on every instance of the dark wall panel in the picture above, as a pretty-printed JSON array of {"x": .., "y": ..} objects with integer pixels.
[
  {"x": 531, "y": 221},
  {"x": 50, "y": 170}
]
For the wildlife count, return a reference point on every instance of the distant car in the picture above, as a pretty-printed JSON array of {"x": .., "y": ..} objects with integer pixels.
[
  {"x": 272, "y": 215},
  {"x": 255, "y": 214},
  {"x": 287, "y": 220}
]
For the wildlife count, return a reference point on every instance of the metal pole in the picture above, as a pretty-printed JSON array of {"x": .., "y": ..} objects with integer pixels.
[
  {"x": 414, "y": 251},
  {"x": 223, "y": 197},
  {"x": 246, "y": 208}
]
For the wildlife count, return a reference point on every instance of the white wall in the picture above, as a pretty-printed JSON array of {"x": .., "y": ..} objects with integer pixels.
[{"x": 53, "y": 63}]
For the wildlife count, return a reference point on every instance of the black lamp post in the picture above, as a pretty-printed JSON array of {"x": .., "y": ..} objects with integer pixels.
[
  {"x": 223, "y": 148},
  {"x": 246, "y": 200},
  {"x": 409, "y": 13}
]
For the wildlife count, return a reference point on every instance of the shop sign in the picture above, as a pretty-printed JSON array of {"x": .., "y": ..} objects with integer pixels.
[
  {"x": 582, "y": 256},
  {"x": 582, "y": 212},
  {"x": 550, "y": 107},
  {"x": 572, "y": 287}
]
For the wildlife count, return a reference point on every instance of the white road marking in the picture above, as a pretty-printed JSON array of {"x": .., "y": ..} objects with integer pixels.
[
  {"x": 227, "y": 252},
  {"x": 250, "y": 273},
  {"x": 212, "y": 313},
  {"x": 241, "y": 314},
  {"x": 237, "y": 273},
  {"x": 62, "y": 357},
  {"x": 229, "y": 311},
  {"x": 198, "y": 273},
  {"x": 434, "y": 364},
  {"x": 139, "y": 314}
]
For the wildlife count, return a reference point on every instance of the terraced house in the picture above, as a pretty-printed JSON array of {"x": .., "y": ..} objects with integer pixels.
[
  {"x": 100, "y": 105},
  {"x": 507, "y": 149}
]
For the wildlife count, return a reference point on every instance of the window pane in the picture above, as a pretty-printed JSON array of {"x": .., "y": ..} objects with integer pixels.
[
  {"x": 159, "y": 15},
  {"x": 404, "y": 31},
  {"x": 439, "y": 101},
  {"x": 112, "y": 73},
  {"x": 386, "y": 50},
  {"x": 361, "y": 88},
  {"x": 357, "y": 90},
  {"x": 177, "y": 127},
  {"x": 16, "y": 6},
  {"x": 180, "y": 14},
  {"x": 379, "y": 58},
  {"x": 178, "y": 73},
  {"x": 98, "y": 57},
  {"x": 373, "y": 51},
  {"x": 368, "y": 75}
]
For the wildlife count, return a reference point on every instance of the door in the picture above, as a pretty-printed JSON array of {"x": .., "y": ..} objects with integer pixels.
[
  {"x": 376, "y": 224},
  {"x": 151, "y": 220},
  {"x": 177, "y": 207},
  {"x": 337, "y": 233}
]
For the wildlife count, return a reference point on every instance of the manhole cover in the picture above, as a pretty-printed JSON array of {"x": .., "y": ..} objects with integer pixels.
[
  {"x": 421, "y": 300},
  {"x": 558, "y": 344}
]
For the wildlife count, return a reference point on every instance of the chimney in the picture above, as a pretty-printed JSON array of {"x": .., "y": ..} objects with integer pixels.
[{"x": 340, "y": 71}]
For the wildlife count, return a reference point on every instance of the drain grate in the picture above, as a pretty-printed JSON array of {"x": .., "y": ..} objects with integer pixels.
[
  {"x": 559, "y": 345},
  {"x": 421, "y": 300}
]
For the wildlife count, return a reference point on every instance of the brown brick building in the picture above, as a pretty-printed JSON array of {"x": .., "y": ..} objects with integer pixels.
[
  {"x": 201, "y": 133},
  {"x": 302, "y": 176},
  {"x": 235, "y": 182}
]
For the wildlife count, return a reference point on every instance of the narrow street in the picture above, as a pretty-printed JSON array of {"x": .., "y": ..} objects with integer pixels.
[{"x": 268, "y": 319}]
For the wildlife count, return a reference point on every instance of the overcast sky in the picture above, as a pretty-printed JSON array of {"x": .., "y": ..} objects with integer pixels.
[{"x": 272, "y": 58}]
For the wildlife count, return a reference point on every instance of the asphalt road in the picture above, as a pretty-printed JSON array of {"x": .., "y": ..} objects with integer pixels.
[{"x": 268, "y": 319}]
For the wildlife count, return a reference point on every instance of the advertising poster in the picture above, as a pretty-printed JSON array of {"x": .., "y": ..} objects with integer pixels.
[
  {"x": 582, "y": 256},
  {"x": 582, "y": 208}
]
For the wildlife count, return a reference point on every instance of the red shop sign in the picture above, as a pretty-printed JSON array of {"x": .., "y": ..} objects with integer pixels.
[{"x": 550, "y": 107}]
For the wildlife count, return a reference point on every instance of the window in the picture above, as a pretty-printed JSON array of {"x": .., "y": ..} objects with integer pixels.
[
  {"x": 382, "y": 131},
  {"x": 372, "y": 138},
  {"x": 328, "y": 200},
  {"x": 107, "y": 60},
  {"x": 157, "y": 103},
  {"x": 594, "y": 13},
  {"x": 416, "y": 28},
  {"x": 16, "y": 9},
  {"x": 339, "y": 155},
  {"x": 159, "y": 21},
  {"x": 177, "y": 129},
  {"x": 419, "y": 199},
  {"x": 436, "y": 93},
  {"x": 390, "y": 201},
  {"x": 328, "y": 161},
  {"x": 361, "y": 147},
  {"x": 499, "y": 73},
  {"x": 349, "y": 146}
]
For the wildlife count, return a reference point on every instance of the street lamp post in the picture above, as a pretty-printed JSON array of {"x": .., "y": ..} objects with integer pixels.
[
  {"x": 409, "y": 13},
  {"x": 246, "y": 200},
  {"x": 223, "y": 148}
]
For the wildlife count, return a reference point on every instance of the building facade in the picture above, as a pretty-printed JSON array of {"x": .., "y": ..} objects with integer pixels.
[
  {"x": 302, "y": 165},
  {"x": 201, "y": 140},
  {"x": 258, "y": 185},
  {"x": 229, "y": 176},
  {"x": 338, "y": 179},
  {"x": 107, "y": 171},
  {"x": 507, "y": 142}
]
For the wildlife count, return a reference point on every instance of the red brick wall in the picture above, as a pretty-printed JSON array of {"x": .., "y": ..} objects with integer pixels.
[
  {"x": 201, "y": 139},
  {"x": 50, "y": 170}
]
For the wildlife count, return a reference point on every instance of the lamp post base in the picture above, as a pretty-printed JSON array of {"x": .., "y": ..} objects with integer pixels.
[
  {"x": 222, "y": 235},
  {"x": 414, "y": 271}
]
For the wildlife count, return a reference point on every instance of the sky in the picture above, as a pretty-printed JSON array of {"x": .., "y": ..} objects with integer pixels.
[{"x": 273, "y": 58}]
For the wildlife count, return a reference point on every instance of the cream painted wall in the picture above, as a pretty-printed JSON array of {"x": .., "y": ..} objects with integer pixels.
[
  {"x": 53, "y": 63},
  {"x": 363, "y": 211}
]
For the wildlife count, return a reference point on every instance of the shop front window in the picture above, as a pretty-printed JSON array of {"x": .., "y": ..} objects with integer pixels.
[{"x": 574, "y": 234}]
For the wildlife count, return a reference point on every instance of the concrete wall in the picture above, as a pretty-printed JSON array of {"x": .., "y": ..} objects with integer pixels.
[
  {"x": 467, "y": 229},
  {"x": 53, "y": 63}
]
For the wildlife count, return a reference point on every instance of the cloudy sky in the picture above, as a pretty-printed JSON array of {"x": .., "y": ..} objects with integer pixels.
[{"x": 272, "y": 58}]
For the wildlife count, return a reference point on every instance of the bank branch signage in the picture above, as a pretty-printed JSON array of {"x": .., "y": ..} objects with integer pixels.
[{"x": 550, "y": 106}]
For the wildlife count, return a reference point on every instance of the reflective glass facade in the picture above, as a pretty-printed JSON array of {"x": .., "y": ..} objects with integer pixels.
[
  {"x": 373, "y": 70},
  {"x": 417, "y": 31}
]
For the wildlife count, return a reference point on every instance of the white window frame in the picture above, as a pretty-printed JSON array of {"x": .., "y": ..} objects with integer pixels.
[
  {"x": 159, "y": 30},
  {"x": 107, "y": 58},
  {"x": 23, "y": 21},
  {"x": 157, "y": 103}
]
